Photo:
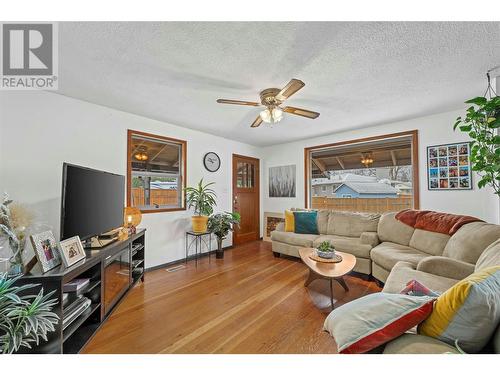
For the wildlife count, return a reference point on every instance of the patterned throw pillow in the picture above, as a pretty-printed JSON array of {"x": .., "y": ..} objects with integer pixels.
[
  {"x": 468, "y": 312},
  {"x": 414, "y": 288},
  {"x": 370, "y": 321},
  {"x": 289, "y": 221},
  {"x": 306, "y": 222}
]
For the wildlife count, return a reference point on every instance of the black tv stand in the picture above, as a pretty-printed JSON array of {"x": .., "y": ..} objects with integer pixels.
[{"x": 113, "y": 270}]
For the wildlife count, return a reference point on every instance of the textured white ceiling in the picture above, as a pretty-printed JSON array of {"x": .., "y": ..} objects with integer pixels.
[{"x": 357, "y": 74}]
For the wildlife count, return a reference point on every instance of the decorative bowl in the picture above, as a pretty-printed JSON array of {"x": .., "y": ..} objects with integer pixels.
[{"x": 325, "y": 254}]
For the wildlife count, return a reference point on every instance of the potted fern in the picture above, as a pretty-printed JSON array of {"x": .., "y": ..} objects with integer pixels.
[
  {"x": 202, "y": 199},
  {"x": 25, "y": 319},
  {"x": 221, "y": 225}
]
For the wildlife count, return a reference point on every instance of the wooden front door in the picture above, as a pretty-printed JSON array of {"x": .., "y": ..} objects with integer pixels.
[{"x": 246, "y": 198}]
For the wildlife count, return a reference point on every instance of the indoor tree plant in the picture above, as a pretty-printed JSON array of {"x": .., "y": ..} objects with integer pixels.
[
  {"x": 481, "y": 123},
  {"x": 220, "y": 225},
  {"x": 202, "y": 199},
  {"x": 24, "y": 318}
]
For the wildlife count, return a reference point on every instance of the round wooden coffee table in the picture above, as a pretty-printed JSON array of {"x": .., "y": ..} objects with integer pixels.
[{"x": 328, "y": 271}]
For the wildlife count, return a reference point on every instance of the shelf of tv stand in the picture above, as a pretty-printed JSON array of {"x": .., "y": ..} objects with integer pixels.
[{"x": 71, "y": 329}]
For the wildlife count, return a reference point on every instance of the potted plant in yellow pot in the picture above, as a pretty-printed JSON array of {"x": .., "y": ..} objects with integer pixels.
[{"x": 202, "y": 200}]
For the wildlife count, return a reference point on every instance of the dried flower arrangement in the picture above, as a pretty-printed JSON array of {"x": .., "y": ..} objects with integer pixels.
[{"x": 15, "y": 221}]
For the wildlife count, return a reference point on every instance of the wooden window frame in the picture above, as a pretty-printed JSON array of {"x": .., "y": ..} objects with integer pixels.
[
  {"x": 182, "y": 143},
  {"x": 414, "y": 160}
]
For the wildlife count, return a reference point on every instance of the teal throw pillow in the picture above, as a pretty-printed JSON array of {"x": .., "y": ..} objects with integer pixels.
[{"x": 306, "y": 222}]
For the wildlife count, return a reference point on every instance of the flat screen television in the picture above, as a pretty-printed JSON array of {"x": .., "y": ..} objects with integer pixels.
[{"x": 92, "y": 202}]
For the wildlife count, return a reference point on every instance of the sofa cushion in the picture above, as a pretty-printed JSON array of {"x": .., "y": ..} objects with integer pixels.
[
  {"x": 351, "y": 224},
  {"x": 306, "y": 222},
  {"x": 392, "y": 230},
  {"x": 289, "y": 221},
  {"x": 429, "y": 242},
  {"x": 490, "y": 257},
  {"x": 403, "y": 272},
  {"x": 471, "y": 240},
  {"x": 296, "y": 239},
  {"x": 323, "y": 221},
  {"x": 468, "y": 312},
  {"x": 351, "y": 245},
  {"x": 409, "y": 343},
  {"x": 370, "y": 321},
  {"x": 446, "y": 267},
  {"x": 387, "y": 254}
]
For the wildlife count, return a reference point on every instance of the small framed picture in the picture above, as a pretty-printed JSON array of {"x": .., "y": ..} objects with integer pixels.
[
  {"x": 72, "y": 251},
  {"x": 46, "y": 251}
]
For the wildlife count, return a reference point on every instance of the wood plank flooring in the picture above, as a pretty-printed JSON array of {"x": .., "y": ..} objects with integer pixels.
[{"x": 249, "y": 302}]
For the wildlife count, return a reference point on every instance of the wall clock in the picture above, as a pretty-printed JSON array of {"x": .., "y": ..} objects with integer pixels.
[{"x": 211, "y": 161}]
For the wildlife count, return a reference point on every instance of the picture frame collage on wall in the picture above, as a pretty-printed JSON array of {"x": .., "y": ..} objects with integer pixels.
[
  {"x": 449, "y": 167},
  {"x": 50, "y": 254}
]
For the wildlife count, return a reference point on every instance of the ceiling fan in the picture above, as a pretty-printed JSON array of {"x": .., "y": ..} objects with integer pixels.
[{"x": 272, "y": 99}]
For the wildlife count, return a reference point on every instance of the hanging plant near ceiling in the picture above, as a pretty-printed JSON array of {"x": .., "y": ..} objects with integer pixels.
[{"x": 481, "y": 122}]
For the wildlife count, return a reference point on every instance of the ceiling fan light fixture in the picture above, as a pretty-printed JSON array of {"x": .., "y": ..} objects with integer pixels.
[
  {"x": 265, "y": 115},
  {"x": 271, "y": 116},
  {"x": 277, "y": 114}
]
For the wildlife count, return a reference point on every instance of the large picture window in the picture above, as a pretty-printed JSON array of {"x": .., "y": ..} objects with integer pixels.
[
  {"x": 156, "y": 172},
  {"x": 377, "y": 174}
]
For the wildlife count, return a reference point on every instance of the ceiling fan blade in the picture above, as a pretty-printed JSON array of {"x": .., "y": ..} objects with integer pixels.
[
  {"x": 301, "y": 112},
  {"x": 257, "y": 122},
  {"x": 291, "y": 88},
  {"x": 239, "y": 102}
]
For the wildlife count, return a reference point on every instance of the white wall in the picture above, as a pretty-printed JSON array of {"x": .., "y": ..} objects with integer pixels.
[
  {"x": 39, "y": 131},
  {"x": 433, "y": 130}
]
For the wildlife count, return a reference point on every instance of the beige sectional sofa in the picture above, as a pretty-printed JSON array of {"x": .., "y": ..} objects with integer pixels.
[
  {"x": 451, "y": 257},
  {"x": 354, "y": 233},
  {"x": 395, "y": 253},
  {"x": 379, "y": 242},
  {"x": 438, "y": 274}
]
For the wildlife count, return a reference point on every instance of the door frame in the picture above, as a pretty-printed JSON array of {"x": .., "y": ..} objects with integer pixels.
[{"x": 257, "y": 186}]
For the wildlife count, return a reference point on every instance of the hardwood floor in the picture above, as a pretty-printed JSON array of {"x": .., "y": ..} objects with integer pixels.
[{"x": 249, "y": 302}]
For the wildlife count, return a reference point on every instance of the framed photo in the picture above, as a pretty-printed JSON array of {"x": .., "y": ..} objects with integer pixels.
[
  {"x": 46, "y": 251},
  {"x": 72, "y": 251},
  {"x": 271, "y": 220},
  {"x": 449, "y": 167}
]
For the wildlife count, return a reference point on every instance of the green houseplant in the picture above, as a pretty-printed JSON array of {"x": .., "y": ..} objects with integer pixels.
[
  {"x": 325, "y": 250},
  {"x": 481, "y": 123},
  {"x": 220, "y": 225},
  {"x": 202, "y": 199},
  {"x": 24, "y": 318}
]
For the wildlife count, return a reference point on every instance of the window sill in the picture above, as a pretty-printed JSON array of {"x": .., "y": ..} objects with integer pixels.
[{"x": 152, "y": 211}]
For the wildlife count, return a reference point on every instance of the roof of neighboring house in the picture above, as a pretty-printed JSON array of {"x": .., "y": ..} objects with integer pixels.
[
  {"x": 369, "y": 188},
  {"x": 162, "y": 185},
  {"x": 346, "y": 177}
]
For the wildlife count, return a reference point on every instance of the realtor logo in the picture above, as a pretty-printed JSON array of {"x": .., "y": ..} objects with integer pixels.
[{"x": 29, "y": 56}]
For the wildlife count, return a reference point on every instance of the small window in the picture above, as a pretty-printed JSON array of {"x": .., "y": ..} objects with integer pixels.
[
  {"x": 245, "y": 175},
  {"x": 156, "y": 170},
  {"x": 346, "y": 196},
  {"x": 323, "y": 188}
]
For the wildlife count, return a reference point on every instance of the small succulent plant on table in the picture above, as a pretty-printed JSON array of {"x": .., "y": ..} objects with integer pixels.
[{"x": 326, "y": 250}]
